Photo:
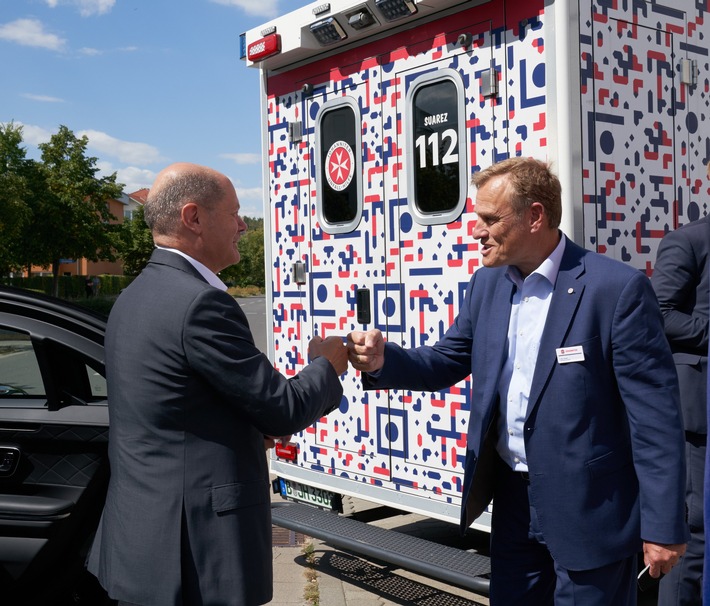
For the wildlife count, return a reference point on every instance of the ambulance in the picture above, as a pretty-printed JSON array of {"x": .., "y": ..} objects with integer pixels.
[{"x": 375, "y": 115}]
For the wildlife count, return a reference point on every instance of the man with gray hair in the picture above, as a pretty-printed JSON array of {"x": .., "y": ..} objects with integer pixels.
[{"x": 187, "y": 519}]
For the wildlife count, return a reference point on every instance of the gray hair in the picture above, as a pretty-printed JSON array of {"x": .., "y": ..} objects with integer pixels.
[{"x": 165, "y": 201}]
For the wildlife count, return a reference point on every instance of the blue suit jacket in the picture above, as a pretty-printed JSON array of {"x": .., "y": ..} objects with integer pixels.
[{"x": 603, "y": 437}]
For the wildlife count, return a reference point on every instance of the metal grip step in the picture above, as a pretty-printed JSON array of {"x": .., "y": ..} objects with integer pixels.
[{"x": 462, "y": 568}]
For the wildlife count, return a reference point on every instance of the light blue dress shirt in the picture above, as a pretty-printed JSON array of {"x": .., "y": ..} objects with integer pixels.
[{"x": 531, "y": 302}]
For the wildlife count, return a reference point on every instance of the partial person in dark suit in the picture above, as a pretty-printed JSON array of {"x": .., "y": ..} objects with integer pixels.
[
  {"x": 187, "y": 519},
  {"x": 680, "y": 279},
  {"x": 575, "y": 427}
]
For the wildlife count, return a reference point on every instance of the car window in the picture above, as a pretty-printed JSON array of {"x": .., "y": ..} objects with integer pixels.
[
  {"x": 73, "y": 378},
  {"x": 19, "y": 370},
  {"x": 98, "y": 383}
]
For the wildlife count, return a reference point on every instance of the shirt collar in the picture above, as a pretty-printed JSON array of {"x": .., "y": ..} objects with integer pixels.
[
  {"x": 211, "y": 277},
  {"x": 548, "y": 269}
]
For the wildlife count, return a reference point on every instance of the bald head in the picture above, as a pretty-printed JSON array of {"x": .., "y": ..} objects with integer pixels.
[{"x": 177, "y": 185}]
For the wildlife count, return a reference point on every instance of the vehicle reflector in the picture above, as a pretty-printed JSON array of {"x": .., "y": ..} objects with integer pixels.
[
  {"x": 265, "y": 47},
  {"x": 286, "y": 451}
]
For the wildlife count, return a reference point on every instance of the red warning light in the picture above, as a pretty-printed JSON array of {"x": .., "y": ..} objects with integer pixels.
[{"x": 264, "y": 47}]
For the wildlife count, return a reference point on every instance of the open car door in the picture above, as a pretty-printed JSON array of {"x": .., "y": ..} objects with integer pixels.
[{"x": 53, "y": 448}]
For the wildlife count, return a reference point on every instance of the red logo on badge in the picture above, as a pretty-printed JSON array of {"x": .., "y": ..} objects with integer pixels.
[{"x": 339, "y": 165}]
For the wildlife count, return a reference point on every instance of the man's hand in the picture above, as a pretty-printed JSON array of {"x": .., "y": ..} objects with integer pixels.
[
  {"x": 661, "y": 558},
  {"x": 366, "y": 350},
  {"x": 333, "y": 349}
]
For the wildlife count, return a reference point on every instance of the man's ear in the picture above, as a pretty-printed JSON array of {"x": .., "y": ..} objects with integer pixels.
[
  {"x": 537, "y": 216},
  {"x": 190, "y": 215}
]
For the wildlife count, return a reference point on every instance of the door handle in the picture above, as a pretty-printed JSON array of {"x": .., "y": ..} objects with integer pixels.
[
  {"x": 9, "y": 459},
  {"x": 362, "y": 302}
]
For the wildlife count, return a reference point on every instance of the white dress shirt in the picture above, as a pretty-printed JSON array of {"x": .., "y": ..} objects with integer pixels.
[
  {"x": 531, "y": 303},
  {"x": 205, "y": 271}
]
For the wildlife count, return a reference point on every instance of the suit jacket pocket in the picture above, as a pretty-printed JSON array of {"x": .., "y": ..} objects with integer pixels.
[
  {"x": 609, "y": 463},
  {"x": 241, "y": 494},
  {"x": 690, "y": 359}
]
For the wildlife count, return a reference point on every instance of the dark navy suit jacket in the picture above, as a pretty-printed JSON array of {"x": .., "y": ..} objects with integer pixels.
[
  {"x": 681, "y": 281},
  {"x": 190, "y": 398},
  {"x": 603, "y": 437}
]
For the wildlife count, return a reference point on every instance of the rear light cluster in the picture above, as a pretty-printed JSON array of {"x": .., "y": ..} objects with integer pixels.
[{"x": 286, "y": 451}]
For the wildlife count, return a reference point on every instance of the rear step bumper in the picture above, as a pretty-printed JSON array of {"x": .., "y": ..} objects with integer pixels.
[{"x": 461, "y": 568}]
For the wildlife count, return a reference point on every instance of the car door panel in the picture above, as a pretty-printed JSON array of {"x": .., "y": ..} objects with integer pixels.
[{"x": 54, "y": 424}]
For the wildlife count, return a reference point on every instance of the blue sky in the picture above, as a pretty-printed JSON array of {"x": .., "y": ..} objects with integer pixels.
[{"x": 149, "y": 82}]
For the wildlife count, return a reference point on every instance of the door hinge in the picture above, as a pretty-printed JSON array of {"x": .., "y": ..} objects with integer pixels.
[
  {"x": 689, "y": 71},
  {"x": 295, "y": 132},
  {"x": 489, "y": 82}
]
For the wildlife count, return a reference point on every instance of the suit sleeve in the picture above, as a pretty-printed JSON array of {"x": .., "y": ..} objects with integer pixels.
[
  {"x": 220, "y": 348},
  {"x": 429, "y": 368},
  {"x": 646, "y": 376},
  {"x": 675, "y": 279}
]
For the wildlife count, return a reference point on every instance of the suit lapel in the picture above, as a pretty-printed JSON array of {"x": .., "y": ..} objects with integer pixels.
[
  {"x": 496, "y": 342},
  {"x": 566, "y": 296}
]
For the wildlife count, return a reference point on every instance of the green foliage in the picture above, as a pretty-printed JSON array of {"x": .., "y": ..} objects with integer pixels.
[
  {"x": 15, "y": 213},
  {"x": 75, "y": 221},
  {"x": 71, "y": 287},
  {"x": 250, "y": 269},
  {"x": 57, "y": 208},
  {"x": 135, "y": 244}
]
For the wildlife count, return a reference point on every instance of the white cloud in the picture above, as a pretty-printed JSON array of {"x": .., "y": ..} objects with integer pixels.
[
  {"x": 30, "y": 32},
  {"x": 86, "y": 7},
  {"x": 252, "y": 194},
  {"x": 134, "y": 178},
  {"x": 92, "y": 52},
  {"x": 126, "y": 151},
  {"x": 256, "y": 8},
  {"x": 34, "y": 135},
  {"x": 245, "y": 158},
  {"x": 42, "y": 98}
]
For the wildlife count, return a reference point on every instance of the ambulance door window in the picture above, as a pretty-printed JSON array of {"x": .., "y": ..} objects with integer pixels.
[
  {"x": 436, "y": 150},
  {"x": 339, "y": 158}
]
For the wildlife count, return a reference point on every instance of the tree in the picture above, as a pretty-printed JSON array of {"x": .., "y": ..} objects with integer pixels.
[
  {"x": 250, "y": 269},
  {"x": 15, "y": 213},
  {"x": 136, "y": 244},
  {"x": 72, "y": 220}
]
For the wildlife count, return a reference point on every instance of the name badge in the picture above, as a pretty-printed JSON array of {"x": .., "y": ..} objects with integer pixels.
[{"x": 565, "y": 355}]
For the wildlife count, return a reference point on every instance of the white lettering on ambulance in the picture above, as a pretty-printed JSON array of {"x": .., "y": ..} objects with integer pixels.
[{"x": 436, "y": 119}]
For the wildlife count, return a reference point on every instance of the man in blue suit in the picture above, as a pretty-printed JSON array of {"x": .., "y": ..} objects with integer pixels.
[
  {"x": 575, "y": 426},
  {"x": 680, "y": 279}
]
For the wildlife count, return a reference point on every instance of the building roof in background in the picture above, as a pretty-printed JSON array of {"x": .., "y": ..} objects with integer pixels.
[{"x": 140, "y": 196}]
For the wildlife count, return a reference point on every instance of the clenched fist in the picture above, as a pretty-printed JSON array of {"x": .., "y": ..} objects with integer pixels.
[
  {"x": 333, "y": 349},
  {"x": 366, "y": 350}
]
